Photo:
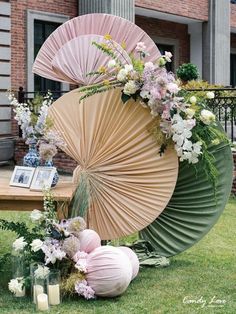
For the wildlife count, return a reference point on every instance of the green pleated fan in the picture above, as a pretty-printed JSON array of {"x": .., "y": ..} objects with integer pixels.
[{"x": 193, "y": 208}]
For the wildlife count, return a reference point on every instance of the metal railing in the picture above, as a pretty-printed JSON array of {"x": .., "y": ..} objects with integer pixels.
[{"x": 224, "y": 107}]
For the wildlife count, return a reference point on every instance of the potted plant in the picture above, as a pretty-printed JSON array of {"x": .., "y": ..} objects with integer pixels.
[{"x": 187, "y": 72}]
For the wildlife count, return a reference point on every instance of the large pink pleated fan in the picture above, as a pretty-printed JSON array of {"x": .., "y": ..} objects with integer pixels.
[
  {"x": 129, "y": 183},
  {"x": 70, "y": 63},
  {"x": 109, "y": 271},
  {"x": 121, "y": 30}
]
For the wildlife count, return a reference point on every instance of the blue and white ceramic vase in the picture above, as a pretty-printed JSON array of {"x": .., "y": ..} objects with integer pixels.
[
  {"x": 49, "y": 163},
  {"x": 32, "y": 158}
]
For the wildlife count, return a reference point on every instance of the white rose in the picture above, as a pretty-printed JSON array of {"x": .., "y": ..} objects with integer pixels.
[
  {"x": 129, "y": 67},
  {"x": 111, "y": 64},
  {"x": 193, "y": 100},
  {"x": 130, "y": 88},
  {"x": 19, "y": 244},
  {"x": 36, "y": 215},
  {"x": 207, "y": 117},
  {"x": 210, "y": 95},
  {"x": 190, "y": 112},
  {"x": 36, "y": 245},
  {"x": 121, "y": 76}
]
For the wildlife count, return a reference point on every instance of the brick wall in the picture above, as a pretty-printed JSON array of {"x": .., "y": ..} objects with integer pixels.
[
  {"x": 167, "y": 29},
  {"x": 196, "y": 9},
  {"x": 233, "y": 15},
  {"x": 62, "y": 161}
]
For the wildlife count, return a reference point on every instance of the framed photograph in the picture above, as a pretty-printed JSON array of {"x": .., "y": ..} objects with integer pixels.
[
  {"x": 22, "y": 176},
  {"x": 43, "y": 177}
]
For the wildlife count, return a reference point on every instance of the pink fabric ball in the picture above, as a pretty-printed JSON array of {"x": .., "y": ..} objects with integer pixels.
[
  {"x": 133, "y": 259},
  {"x": 109, "y": 271},
  {"x": 89, "y": 240}
]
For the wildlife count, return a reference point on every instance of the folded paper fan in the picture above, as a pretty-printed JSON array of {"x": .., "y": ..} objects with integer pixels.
[
  {"x": 193, "y": 208},
  {"x": 130, "y": 184},
  {"x": 71, "y": 65},
  {"x": 121, "y": 30}
]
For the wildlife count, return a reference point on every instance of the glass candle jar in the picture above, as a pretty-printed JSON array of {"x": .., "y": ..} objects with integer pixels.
[
  {"x": 54, "y": 281},
  {"x": 40, "y": 293},
  {"x": 18, "y": 271},
  {"x": 33, "y": 267}
]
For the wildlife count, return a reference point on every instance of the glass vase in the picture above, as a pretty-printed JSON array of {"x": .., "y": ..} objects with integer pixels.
[
  {"x": 54, "y": 282},
  {"x": 40, "y": 293},
  {"x": 49, "y": 163},
  {"x": 18, "y": 271},
  {"x": 32, "y": 158}
]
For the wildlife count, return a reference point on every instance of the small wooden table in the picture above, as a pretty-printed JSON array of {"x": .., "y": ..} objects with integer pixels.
[{"x": 22, "y": 199}]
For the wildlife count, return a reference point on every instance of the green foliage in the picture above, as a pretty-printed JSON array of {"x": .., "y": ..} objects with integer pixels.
[
  {"x": 80, "y": 201},
  {"x": 137, "y": 64},
  {"x": 187, "y": 72}
]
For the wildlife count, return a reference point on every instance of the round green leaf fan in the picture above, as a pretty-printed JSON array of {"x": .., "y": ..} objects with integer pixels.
[{"x": 193, "y": 208}]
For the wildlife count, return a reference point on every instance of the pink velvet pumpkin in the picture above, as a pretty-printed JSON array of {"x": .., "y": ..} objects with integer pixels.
[
  {"x": 133, "y": 259},
  {"x": 109, "y": 271},
  {"x": 89, "y": 240}
]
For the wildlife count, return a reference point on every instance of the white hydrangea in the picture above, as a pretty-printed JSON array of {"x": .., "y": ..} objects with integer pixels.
[
  {"x": 19, "y": 244},
  {"x": 16, "y": 285},
  {"x": 36, "y": 215},
  {"x": 41, "y": 272},
  {"x": 130, "y": 88},
  {"x": 121, "y": 76}
]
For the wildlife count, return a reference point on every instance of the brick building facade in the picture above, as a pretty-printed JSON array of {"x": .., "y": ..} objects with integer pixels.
[{"x": 198, "y": 31}]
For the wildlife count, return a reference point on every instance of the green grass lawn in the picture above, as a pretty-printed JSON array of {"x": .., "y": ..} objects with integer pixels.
[{"x": 206, "y": 271}]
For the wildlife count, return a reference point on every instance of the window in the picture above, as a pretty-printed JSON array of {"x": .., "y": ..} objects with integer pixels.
[
  {"x": 42, "y": 29},
  {"x": 170, "y": 48},
  {"x": 233, "y": 70},
  {"x": 39, "y": 26}
]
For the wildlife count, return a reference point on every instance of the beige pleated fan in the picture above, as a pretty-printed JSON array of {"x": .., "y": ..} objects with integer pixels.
[{"x": 130, "y": 183}]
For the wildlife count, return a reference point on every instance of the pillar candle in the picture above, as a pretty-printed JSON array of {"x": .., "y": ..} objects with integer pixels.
[
  {"x": 42, "y": 302},
  {"x": 54, "y": 294},
  {"x": 37, "y": 289}
]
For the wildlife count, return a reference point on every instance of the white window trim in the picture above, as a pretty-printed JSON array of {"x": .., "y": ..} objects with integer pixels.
[
  {"x": 42, "y": 16},
  {"x": 170, "y": 42}
]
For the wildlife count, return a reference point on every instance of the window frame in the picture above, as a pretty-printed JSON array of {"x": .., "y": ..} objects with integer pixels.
[
  {"x": 33, "y": 15},
  {"x": 169, "y": 42}
]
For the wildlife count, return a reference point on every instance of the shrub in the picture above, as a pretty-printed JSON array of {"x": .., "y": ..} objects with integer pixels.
[{"x": 187, "y": 72}]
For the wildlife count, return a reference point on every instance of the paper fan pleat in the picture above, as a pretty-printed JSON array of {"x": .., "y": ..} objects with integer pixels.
[
  {"x": 120, "y": 29},
  {"x": 71, "y": 66},
  {"x": 130, "y": 183},
  {"x": 193, "y": 208}
]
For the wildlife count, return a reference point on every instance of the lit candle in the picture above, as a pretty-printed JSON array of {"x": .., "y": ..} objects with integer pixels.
[
  {"x": 37, "y": 290},
  {"x": 20, "y": 293},
  {"x": 54, "y": 294},
  {"x": 42, "y": 302}
]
